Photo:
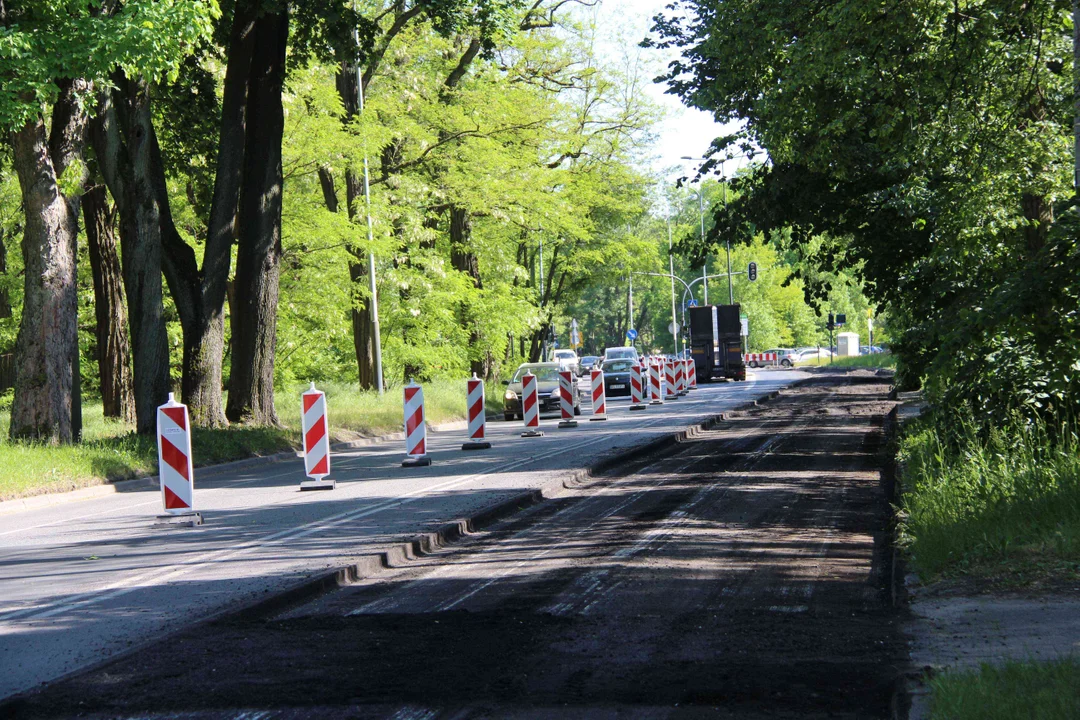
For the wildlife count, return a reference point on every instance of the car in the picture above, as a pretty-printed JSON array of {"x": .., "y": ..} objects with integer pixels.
[
  {"x": 785, "y": 357},
  {"x": 568, "y": 360},
  {"x": 812, "y": 353},
  {"x": 617, "y": 376},
  {"x": 547, "y": 389},
  {"x": 621, "y": 353},
  {"x": 588, "y": 363}
]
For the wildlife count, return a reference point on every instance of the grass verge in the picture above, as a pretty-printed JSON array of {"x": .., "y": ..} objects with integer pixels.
[
  {"x": 1003, "y": 508},
  {"x": 877, "y": 360},
  {"x": 111, "y": 450},
  {"x": 1044, "y": 690}
]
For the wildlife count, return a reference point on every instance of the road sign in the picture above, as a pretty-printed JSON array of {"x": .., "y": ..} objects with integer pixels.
[
  {"x": 841, "y": 319},
  {"x": 632, "y": 334},
  {"x": 751, "y": 271},
  {"x": 673, "y": 328},
  {"x": 692, "y": 302},
  {"x": 744, "y": 324}
]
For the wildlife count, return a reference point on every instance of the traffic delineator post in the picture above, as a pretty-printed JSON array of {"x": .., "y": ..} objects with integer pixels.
[
  {"x": 693, "y": 374},
  {"x": 415, "y": 428},
  {"x": 637, "y": 388},
  {"x": 599, "y": 396},
  {"x": 316, "y": 433},
  {"x": 477, "y": 414},
  {"x": 175, "y": 469},
  {"x": 566, "y": 399},
  {"x": 530, "y": 406},
  {"x": 669, "y": 380},
  {"x": 656, "y": 396},
  {"x": 680, "y": 376}
]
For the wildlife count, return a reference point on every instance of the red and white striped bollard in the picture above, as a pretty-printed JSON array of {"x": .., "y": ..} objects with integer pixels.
[
  {"x": 599, "y": 395},
  {"x": 566, "y": 399},
  {"x": 656, "y": 395},
  {"x": 175, "y": 469},
  {"x": 669, "y": 380},
  {"x": 693, "y": 374},
  {"x": 530, "y": 406},
  {"x": 476, "y": 411},
  {"x": 637, "y": 388},
  {"x": 415, "y": 428},
  {"x": 316, "y": 434}
]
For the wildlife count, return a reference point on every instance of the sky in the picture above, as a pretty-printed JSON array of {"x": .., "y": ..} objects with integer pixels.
[{"x": 685, "y": 131}]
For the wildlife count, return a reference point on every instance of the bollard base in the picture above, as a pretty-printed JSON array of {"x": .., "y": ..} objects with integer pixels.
[
  {"x": 533, "y": 433},
  {"x": 568, "y": 423},
  {"x": 319, "y": 484},
  {"x": 476, "y": 445},
  {"x": 638, "y": 407},
  {"x": 683, "y": 393},
  {"x": 656, "y": 402},
  {"x": 187, "y": 519},
  {"x": 597, "y": 418},
  {"x": 669, "y": 398},
  {"x": 422, "y": 461}
]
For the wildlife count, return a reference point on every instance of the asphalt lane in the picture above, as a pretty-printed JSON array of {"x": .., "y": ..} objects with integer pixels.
[{"x": 82, "y": 581}]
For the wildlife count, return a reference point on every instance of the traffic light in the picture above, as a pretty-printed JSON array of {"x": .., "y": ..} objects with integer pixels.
[
  {"x": 751, "y": 271},
  {"x": 832, "y": 322}
]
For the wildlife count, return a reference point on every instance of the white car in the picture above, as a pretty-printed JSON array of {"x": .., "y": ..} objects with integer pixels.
[
  {"x": 568, "y": 360},
  {"x": 621, "y": 353}
]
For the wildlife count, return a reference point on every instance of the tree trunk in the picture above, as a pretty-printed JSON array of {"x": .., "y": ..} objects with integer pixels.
[
  {"x": 117, "y": 394},
  {"x": 5, "y": 299},
  {"x": 464, "y": 260},
  {"x": 251, "y": 381},
  {"x": 123, "y": 139},
  {"x": 46, "y": 404}
]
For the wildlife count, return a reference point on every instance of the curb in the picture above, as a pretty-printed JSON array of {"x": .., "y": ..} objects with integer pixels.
[{"x": 150, "y": 482}]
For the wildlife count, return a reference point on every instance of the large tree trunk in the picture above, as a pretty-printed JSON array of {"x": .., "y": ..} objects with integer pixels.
[
  {"x": 251, "y": 381},
  {"x": 46, "y": 405},
  {"x": 117, "y": 394},
  {"x": 124, "y": 143}
]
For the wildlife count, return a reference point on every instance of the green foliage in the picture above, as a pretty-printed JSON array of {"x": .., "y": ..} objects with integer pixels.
[
  {"x": 1013, "y": 689},
  {"x": 925, "y": 148},
  {"x": 972, "y": 501}
]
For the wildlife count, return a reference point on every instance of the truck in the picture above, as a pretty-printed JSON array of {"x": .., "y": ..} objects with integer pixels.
[{"x": 716, "y": 342}]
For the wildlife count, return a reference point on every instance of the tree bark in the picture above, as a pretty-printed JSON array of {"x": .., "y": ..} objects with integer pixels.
[
  {"x": 113, "y": 355},
  {"x": 124, "y": 142},
  {"x": 465, "y": 260},
  {"x": 251, "y": 381},
  {"x": 47, "y": 404}
]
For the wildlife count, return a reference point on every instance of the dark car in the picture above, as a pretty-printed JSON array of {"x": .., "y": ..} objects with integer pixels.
[
  {"x": 547, "y": 390},
  {"x": 617, "y": 377},
  {"x": 588, "y": 363}
]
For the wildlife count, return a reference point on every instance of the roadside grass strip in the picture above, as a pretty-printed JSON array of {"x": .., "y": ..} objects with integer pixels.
[
  {"x": 877, "y": 360},
  {"x": 1005, "y": 506},
  {"x": 1044, "y": 690},
  {"x": 111, "y": 450}
]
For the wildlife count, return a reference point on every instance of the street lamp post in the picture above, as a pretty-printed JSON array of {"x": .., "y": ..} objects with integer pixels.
[{"x": 671, "y": 268}]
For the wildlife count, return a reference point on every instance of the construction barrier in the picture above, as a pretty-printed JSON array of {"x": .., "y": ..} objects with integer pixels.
[
  {"x": 566, "y": 399},
  {"x": 599, "y": 396},
  {"x": 669, "y": 380},
  {"x": 530, "y": 406},
  {"x": 316, "y": 434},
  {"x": 476, "y": 410},
  {"x": 656, "y": 394},
  {"x": 753, "y": 359},
  {"x": 680, "y": 376},
  {"x": 175, "y": 468},
  {"x": 637, "y": 389},
  {"x": 693, "y": 374},
  {"x": 415, "y": 428}
]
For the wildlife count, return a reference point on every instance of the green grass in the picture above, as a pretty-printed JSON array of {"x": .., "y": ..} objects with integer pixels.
[
  {"x": 877, "y": 360},
  {"x": 112, "y": 451},
  {"x": 1004, "y": 507},
  {"x": 1043, "y": 690}
]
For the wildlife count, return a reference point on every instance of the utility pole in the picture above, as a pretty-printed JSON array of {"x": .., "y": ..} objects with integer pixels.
[
  {"x": 705, "y": 265},
  {"x": 671, "y": 265},
  {"x": 543, "y": 340},
  {"x": 630, "y": 306},
  {"x": 727, "y": 241},
  {"x": 376, "y": 338}
]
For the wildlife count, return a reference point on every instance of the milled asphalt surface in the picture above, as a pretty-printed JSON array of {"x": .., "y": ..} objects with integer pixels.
[{"x": 83, "y": 581}]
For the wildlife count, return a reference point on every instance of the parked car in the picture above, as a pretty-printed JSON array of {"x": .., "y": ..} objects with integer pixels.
[
  {"x": 617, "y": 376},
  {"x": 547, "y": 390},
  {"x": 785, "y": 357},
  {"x": 568, "y": 360},
  {"x": 812, "y": 353},
  {"x": 588, "y": 363},
  {"x": 621, "y": 353}
]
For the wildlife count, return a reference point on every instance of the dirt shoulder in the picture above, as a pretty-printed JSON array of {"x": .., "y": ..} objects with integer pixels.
[{"x": 743, "y": 573}]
